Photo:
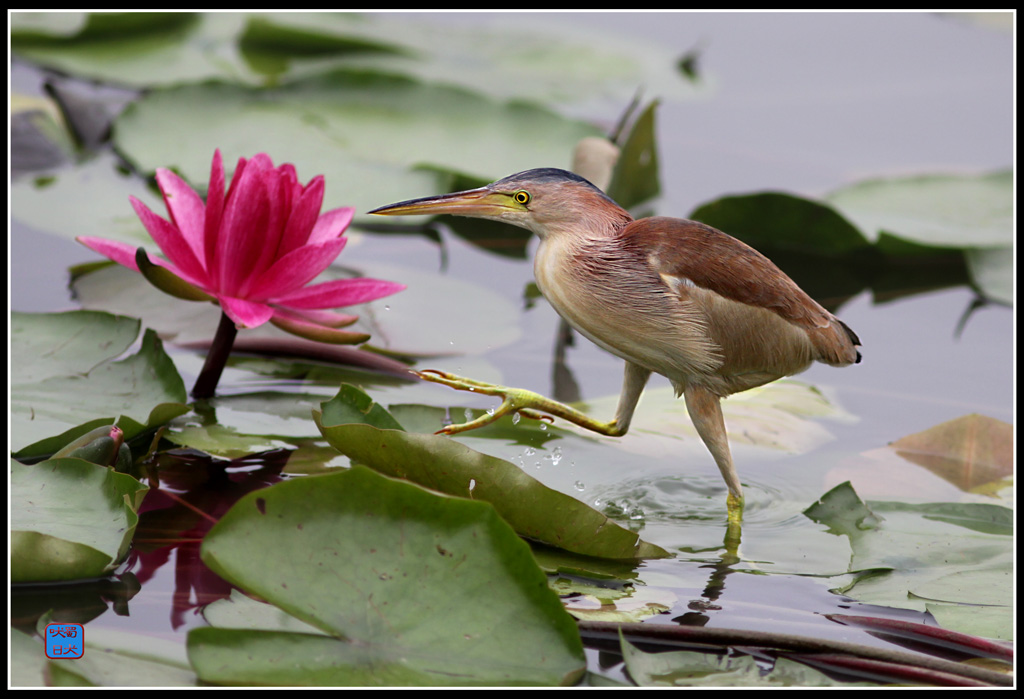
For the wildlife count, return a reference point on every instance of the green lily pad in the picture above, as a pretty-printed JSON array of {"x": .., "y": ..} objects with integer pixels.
[
  {"x": 992, "y": 271},
  {"x": 400, "y": 583},
  {"x": 843, "y": 512},
  {"x": 515, "y": 59},
  {"x": 71, "y": 519},
  {"x": 366, "y": 134},
  {"x": 70, "y": 380},
  {"x": 111, "y": 659},
  {"x": 519, "y": 58},
  {"x": 933, "y": 554},
  {"x": 970, "y": 212},
  {"x": 135, "y": 49},
  {"x": 696, "y": 669},
  {"x": 781, "y": 221},
  {"x": 117, "y": 659},
  {"x": 445, "y": 465},
  {"x": 936, "y": 210}
]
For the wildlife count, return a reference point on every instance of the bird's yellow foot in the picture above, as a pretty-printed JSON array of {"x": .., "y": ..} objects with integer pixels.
[
  {"x": 735, "y": 508},
  {"x": 513, "y": 400}
]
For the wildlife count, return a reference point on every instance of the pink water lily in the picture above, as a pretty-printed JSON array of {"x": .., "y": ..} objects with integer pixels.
[{"x": 254, "y": 250}]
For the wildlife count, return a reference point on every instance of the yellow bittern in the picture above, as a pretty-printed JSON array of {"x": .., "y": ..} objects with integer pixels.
[{"x": 668, "y": 295}]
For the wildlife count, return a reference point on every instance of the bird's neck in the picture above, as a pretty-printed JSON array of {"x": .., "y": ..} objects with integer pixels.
[{"x": 585, "y": 225}]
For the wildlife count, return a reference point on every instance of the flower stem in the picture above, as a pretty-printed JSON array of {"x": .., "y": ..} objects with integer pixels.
[{"x": 216, "y": 358}]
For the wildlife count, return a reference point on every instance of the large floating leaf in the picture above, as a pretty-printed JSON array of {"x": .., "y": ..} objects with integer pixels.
[
  {"x": 443, "y": 464},
  {"x": 364, "y": 133},
  {"x": 71, "y": 519},
  {"x": 134, "y": 49},
  {"x": 401, "y": 586},
  {"x": 118, "y": 659},
  {"x": 937, "y": 210},
  {"x": 695, "y": 669},
  {"x": 98, "y": 194},
  {"x": 972, "y": 213},
  {"x": 556, "y": 61},
  {"x": 69, "y": 378},
  {"x": 517, "y": 58},
  {"x": 781, "y": 221},
  {"x": 934, "y": 556}
]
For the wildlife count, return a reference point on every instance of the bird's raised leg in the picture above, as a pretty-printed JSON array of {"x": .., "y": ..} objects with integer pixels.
[
  {"x": 705, "y": 411},
  {"x": 536, "y": 406}
]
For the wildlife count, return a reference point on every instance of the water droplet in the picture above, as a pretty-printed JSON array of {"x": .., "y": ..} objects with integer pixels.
[
  {"x": 530, "y": 451},
  {"x": 490, "y": 411},
  {"x": 387, "y": 307},
  {"x": 516, "y": 418},
  {"x": 468, "y": 413},
  {"x": 543, "y": 425},
  {"x": 578, "y": 485},
  {"x": 472, "y": 484}
]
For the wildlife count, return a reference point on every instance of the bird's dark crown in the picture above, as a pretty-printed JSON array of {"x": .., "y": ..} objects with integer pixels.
[{"x": 542, "y": 175}]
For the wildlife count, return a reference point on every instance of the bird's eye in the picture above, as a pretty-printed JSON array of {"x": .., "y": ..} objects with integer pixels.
[{"x": 521, "y": 197}]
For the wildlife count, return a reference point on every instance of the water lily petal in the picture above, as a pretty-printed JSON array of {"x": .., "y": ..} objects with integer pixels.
[
  {"x": 339, "y": 292},
  {"x": 243, "y": 230},
  {"x": 214, "y": 212},
  {"x": 186, "y": 209},
  {"x": 304, "y": 216},
  {"x": 124, "y": 254},
  {"x": 296, "y": 269},
  {"x": 331, "y": 224},
  {"x": 265, "y": 243},
  {"x": 246, "y": 314},
  {"x": 121, "y": 253},
  {"x": 172, "y": 243}
]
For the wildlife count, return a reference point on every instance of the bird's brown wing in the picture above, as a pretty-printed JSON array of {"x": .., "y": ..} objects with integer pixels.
[{"x": 705, "y": 257}]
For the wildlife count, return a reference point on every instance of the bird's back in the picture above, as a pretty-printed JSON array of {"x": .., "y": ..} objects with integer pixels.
[{"x": 699, "y": 305}]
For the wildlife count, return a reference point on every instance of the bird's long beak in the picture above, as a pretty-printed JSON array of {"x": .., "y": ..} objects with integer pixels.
[{"x": 478, "y": 203}]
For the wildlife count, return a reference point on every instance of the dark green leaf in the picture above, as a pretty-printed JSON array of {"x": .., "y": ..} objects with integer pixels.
[
  {"x": 71, "y": 519},
  {"x": 445, "y": 465},
  {"x": 635, "y": 178},
  {"x": 843, "y": 512},
  {"x": 68, "y": 374},
  {"x": 408, "y": 588}
]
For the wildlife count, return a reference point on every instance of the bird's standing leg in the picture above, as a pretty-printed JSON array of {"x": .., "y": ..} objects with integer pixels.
[
  {"x": 705, "y": 411},
  {"x": 632, "y": 386},
  {"x": 536, "y": 406}
]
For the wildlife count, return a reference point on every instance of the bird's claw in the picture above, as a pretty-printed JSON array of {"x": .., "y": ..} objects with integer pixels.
[{"x": 511, "y": 398}]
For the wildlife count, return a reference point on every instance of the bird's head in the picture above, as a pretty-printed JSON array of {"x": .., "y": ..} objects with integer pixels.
[{"x": 543, "y": 200}]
